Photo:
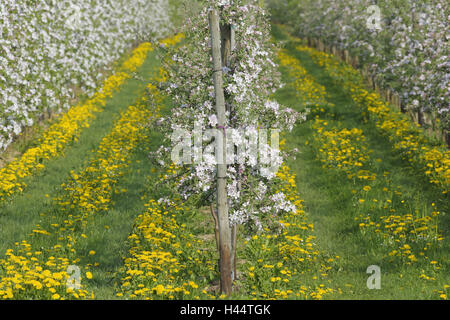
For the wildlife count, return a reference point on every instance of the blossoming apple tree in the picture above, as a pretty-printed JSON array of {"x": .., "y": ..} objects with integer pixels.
[
  {"x": 407, "y": 52},
  {"x": 249, "y": 75}
]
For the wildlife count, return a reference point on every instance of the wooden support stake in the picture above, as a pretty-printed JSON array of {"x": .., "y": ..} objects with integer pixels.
[
  {"x": 222, "y": 206},
  {"x": 228, "y": 42}
]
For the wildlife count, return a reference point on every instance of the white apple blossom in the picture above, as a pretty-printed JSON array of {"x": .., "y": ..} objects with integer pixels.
[
  {"x": 46, "y": 49},
  {"x": 249, "y": 81},
  {"x": 411, "y": 50}
]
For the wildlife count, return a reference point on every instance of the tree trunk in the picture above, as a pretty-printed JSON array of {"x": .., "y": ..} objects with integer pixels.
[{"x": 234, "y": 231}]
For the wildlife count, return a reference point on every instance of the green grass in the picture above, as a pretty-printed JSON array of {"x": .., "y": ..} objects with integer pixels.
[
  {"x": 17, "y": 216},
  {"x": 107, "y": 234},
  {"x": 330, "y": 202}
]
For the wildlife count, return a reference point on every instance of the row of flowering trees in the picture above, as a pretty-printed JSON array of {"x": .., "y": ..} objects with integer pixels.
[
  {"x": 250, "y": 77},
  {"x": 404, "y": 43},
  {"x": 50, "y": 47}
]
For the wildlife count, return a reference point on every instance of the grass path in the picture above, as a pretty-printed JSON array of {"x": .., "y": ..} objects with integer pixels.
[
  {"x": 17, "y": 216},
  {"x": 107, "y": 235},
  {"x": 332, "y": 205}
]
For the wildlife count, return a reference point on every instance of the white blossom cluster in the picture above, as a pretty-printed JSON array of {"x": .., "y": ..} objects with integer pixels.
[
  {"x": 249, "y": 82},
  {"x": 408, "y": 51},
  {"x": 50, "y": 47}
]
